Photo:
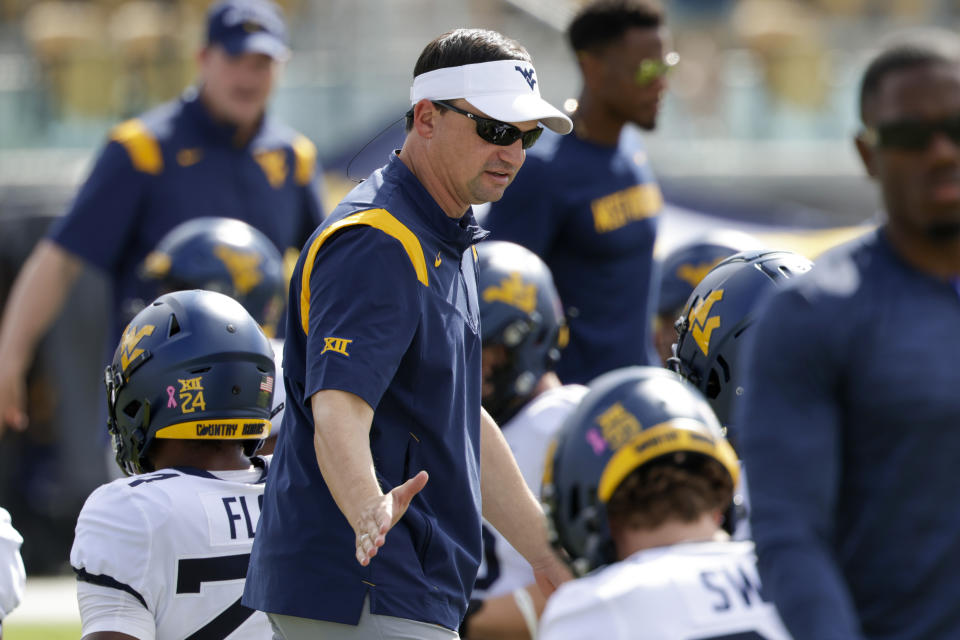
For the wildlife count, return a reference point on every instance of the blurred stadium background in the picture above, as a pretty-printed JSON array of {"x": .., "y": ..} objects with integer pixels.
[{"x": 755, "y": 133}]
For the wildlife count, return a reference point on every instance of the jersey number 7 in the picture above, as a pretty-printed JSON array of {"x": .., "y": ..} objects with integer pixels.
[{"x": 192, "y": 572}]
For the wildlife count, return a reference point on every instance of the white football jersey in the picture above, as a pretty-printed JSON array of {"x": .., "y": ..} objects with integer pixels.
[
  {"x": 528, "y": 433},
  {"x": 176, "y": 541},
  {"x": 279, "y": 391},
  {"x": 12, "y": 576},
  {"x": 690, "y": 591}
]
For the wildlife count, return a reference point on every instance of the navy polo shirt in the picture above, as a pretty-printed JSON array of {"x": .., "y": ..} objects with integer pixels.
[
  {"x": 590, "y": 212},
  {"x": 383, "y": 304},
  {"x": 174, "y": 164},
  {"x": 850, "y": 436}
]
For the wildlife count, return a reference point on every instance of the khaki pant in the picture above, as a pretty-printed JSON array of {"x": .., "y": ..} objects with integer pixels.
[{"x": 370, "y": 627}]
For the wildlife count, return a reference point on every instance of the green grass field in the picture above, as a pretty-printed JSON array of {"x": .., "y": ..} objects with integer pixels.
[{"x": 36, "y": 631}]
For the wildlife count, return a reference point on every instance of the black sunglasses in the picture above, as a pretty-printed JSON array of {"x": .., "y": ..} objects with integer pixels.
[
  {"x": 494, "y": 131},
  {"x": 911, "y": 135}
]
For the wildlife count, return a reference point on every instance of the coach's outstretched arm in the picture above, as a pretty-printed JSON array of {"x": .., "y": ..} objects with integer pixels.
[
  {"x": 510, "y": 506},
  {"x": 341, "y": 439},
  {"x": 35, "y": 302}
]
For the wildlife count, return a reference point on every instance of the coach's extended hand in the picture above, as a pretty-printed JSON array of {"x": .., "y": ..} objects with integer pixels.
[{"x": 377, "y": 518}]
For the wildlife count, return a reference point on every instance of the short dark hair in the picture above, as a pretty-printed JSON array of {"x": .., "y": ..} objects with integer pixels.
[
  {"x": 682, "y": 486},
  {"x": 466, "y": 46},
  {"x": 605, "y": 21},
  {"x": 906, "y": 55}
]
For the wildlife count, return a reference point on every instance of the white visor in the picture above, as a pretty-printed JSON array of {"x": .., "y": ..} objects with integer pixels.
[{"x": 505, "y": 90}]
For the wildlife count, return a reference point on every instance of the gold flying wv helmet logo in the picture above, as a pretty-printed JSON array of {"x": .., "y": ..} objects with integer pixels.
[
  {"x": 702, "y": 324},
  {"x": 513, "y": 291},
  {"x": 128, "y": 343},
  {"x": 244, "y": 268},
  {"x": 692, "y": 274}
]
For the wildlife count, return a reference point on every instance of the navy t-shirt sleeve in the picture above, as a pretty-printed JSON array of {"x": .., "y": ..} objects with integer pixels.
[
  {"x": 791, "y": 445},
  {"x": 364, "y": 311},
  {"x": 106, "y": 208},
  {"x": 526, "y": 214}
]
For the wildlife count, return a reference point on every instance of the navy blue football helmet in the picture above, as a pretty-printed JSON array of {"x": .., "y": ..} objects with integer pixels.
[
  {"x": 721, "y": 308},
  {"x": 683, "y": 268},
  {"x": 223, "y": 255},
  {"x": 520, "y": 310},
  {"x": 192, "y": 365},
  {"x": 630, "y": 417}
]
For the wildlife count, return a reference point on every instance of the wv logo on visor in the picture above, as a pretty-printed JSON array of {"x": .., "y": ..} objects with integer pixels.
[{"x": 527, "y": 75}]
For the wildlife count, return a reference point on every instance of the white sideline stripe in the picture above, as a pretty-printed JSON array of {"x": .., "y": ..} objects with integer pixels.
[{"x": 48, "y": 600}]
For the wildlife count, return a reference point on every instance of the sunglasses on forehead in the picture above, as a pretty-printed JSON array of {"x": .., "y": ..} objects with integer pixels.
[
  {"x": 651, "y": 69},
  {"x": 911, "y": 135},
  {"x": 494, "y": 131}
]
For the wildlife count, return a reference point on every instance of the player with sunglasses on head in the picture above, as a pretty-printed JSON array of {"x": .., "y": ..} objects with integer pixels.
[
  {"x": 382, "y": 366},
  {"x": 849, "y": 430},
  {"x": 588, "y": 203}
]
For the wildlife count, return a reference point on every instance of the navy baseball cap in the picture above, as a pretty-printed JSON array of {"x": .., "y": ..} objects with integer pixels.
[{"x": 248, "y": 26}]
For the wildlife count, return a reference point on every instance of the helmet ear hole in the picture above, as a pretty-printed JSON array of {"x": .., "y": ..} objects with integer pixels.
[
  {"x": 713, "y": 385},
  {"x": 174, "y": 326},
  {"x": 574, "y": 507},
  {"x": 132, "y": 408},
  {"x": 725, "y": 367}
]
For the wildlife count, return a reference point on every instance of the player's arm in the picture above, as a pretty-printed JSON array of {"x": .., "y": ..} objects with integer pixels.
[
  {"x": 791, "y": 447},
  {"x": 509, "y": 617},
  {"x": 510, "y": 506},
  {"x": 341, "y": 440},
  {"x": 116, "y": 589},
  {"x": 95, "y": 231},
  {"x": 35, "y": 302}
]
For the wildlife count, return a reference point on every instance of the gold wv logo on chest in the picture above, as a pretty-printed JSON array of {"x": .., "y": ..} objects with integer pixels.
[{"x": 274, "y": 165}]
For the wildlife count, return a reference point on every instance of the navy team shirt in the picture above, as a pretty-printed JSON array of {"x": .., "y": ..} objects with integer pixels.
[
  {"x": 173, "y": 164},
  {"x": 590, "y": 212},
  {"x": 851, "y": 440},
  {"x": 383, "y": 304}
]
